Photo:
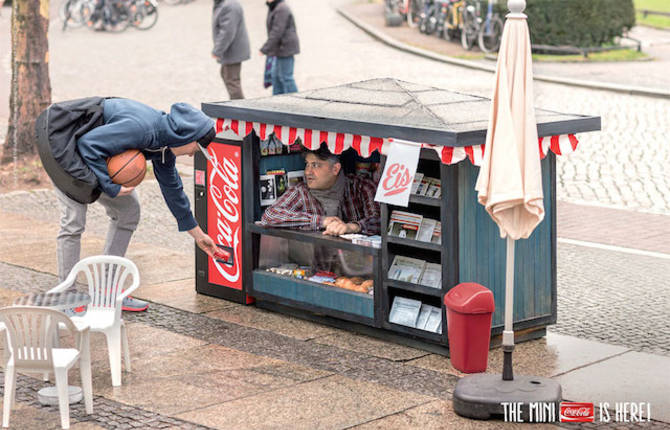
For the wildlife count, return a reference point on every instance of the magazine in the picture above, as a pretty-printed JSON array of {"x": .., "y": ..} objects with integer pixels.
[
  {"x": 432, "y": 276},
  {"x": 434, "y": 188},
  {"x": 267, "y": 189},
  {"x": 281, "y": 184},
  {"x": 404, "y": 224},
  {"x": 406, "y": 269},
  {"x": 405, "y": 311},
  {"x": 425, "y": 233},
  {"x": 437, "y": 233},
  {"x": 430, "y": 319},
  {"x": 422, "y": 188},
  {"x": 418, "y": 176}
]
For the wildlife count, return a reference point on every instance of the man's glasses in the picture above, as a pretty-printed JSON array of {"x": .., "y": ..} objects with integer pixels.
[{"x": 314, "y": 165}]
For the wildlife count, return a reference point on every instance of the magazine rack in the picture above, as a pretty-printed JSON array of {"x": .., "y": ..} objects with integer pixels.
[{"x": 361, "y": 117}]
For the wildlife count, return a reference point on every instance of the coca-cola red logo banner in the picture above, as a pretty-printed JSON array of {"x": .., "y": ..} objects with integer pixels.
[
  {"x": 224, "y": 211},
  {"x": 575, "y": 412}
]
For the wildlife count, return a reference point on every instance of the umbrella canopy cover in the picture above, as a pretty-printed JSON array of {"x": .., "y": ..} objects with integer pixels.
[{"x": 510, "y": 180}]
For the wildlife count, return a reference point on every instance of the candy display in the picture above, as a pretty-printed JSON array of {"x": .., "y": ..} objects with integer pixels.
[{"x": 355, "y": 283}]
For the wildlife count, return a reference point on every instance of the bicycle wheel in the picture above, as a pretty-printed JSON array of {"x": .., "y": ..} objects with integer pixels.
[
  {"x": 149, "y": 11},
  {"x": 116, "y": 18},
  {"x": 489, "y": 41},
  {"x": 469, "y": 30},
  {"x": 70, "y": 13}
]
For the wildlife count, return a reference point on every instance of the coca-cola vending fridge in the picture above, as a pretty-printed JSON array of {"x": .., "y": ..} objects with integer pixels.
[{"x": 219, "y": 212}]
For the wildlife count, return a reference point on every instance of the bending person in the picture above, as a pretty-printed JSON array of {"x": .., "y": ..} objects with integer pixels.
[{"x": 161, "y": 137}]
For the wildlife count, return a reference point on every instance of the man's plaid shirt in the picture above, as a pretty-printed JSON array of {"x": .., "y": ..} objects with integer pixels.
[{"x": 297, "y": 208}]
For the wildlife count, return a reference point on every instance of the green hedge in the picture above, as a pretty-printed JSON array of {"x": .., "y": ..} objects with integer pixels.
[{"x": 582, "y": 23}]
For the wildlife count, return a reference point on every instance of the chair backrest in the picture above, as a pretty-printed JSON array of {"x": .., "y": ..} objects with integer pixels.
[
  {"x": 32, "y": 331},
  {"x": 107, "y": 276}
]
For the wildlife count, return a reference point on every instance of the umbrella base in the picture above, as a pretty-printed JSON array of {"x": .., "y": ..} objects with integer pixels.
[{"x": 481, "y": 396}]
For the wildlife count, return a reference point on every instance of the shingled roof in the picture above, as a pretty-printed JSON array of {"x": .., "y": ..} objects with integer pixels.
[{"x": 390, "y": 108}]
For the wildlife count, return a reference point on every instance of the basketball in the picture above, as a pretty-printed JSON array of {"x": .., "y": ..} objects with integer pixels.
[{"x": 127, "y": 168}]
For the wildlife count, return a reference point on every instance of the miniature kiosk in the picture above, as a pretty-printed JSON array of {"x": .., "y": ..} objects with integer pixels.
[{"x": 258, "y": 153}]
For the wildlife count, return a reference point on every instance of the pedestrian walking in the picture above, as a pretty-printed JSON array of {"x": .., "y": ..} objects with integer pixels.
[
  {"x": 283, "y": 44},
  {"x": 161, "y": 137},
  {"x": 231, "y": 43}
]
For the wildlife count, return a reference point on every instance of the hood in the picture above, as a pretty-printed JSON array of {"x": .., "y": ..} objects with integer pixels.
[{"x": 184, "y": 124}]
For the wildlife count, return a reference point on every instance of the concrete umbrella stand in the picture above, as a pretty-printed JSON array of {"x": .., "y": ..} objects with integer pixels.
[{"x": 516, "y": 205}]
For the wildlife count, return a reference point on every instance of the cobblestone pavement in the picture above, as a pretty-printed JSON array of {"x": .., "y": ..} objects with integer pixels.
[
  {"x": 355, "y": 365},
  {"x": 110, "y": 414},
  {"x": 603, "y": 295},
  {"x": 622, "y": 166}
]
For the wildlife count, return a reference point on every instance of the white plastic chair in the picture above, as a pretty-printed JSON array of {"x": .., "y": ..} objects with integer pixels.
[
  {"x": 107, "y": 276},
  {"x": 31, "y": 332}
]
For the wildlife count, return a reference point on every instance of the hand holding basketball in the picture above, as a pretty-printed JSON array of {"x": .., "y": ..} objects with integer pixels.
[
  {"x": 127, "y": 168},
  {"x": 125, "y": 191}
]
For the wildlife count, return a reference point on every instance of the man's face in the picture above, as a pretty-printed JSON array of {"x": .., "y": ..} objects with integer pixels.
[
  {"x": 320, "y": 174},
  {"x": 189, "y": 149}
]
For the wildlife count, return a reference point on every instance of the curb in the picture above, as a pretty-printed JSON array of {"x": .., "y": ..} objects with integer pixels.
[{"x": 625, "y": 89}]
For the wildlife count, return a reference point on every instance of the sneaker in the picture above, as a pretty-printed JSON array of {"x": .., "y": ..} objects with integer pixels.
[
  {"x": 75, "y": 312},
  {"x": 134, "y": 305}
]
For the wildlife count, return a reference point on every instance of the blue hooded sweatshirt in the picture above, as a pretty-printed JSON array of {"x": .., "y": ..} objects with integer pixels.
[{"x": 132, "y": 125}]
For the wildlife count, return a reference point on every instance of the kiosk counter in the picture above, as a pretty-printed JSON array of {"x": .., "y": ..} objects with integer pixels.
[{"x": 390, "y": 285}]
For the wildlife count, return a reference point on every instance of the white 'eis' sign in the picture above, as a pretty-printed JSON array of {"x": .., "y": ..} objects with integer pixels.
[{"x": 396, "y": 181}]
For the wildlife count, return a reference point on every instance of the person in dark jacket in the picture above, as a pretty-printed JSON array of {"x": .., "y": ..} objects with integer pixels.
[
  {"x": 231, "y": 43},
  {"x": 283, "y": 44},
  {"x": 161, "y": 137}
]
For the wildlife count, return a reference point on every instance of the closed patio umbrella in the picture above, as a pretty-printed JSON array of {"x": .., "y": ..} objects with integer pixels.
[{"x": 510, "y": 188}]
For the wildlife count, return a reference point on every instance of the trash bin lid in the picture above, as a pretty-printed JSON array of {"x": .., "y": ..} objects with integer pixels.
[{"x": 470, "y": 298}]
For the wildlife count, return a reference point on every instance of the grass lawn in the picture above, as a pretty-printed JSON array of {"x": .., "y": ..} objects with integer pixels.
[
  {"x": 617, "y": 55},
  {"x": 653, "y": 20}
]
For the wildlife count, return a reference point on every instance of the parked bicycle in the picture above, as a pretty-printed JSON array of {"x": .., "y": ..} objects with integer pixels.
[
  {"x": 409, "y": 10},
  {"x": 108, "y": 15},
  {"x": 486, "y": 32},
  {"x": 453, "y": 23},
  {"x": 491, "y": 30},
  {"x": 143, "y": 14},
  {"x": 70, "y": 13},
  {"x": 434, "y": 17}
]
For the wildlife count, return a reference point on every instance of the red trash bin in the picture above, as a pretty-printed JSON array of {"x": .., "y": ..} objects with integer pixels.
[{"x": 470, "y": 309}]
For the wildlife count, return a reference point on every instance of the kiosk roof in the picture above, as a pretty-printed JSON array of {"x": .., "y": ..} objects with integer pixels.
[{"x": 390, "y": 108}]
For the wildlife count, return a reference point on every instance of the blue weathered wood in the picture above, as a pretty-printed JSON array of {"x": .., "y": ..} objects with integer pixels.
[
  {"x": 314, "y": 294},
  {"x": 482, "y": 252}
]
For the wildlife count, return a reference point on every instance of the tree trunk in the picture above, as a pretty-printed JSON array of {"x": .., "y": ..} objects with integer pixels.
[{"x": 30, "y": 90}]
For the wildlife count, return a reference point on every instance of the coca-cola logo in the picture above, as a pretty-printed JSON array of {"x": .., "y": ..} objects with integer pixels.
[
  {"x": 577, "y": 412},
  {"x": 396, "y": 180},
  {"x": 224, "y": 192}
]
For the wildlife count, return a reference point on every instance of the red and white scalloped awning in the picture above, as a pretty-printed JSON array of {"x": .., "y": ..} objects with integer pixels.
[{"x": 366, "y": 145}]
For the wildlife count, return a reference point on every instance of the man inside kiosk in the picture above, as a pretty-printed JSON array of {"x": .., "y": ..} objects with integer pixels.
[
  {"x": 328, "y": 200},
  {"x": 333, "y": 202}
]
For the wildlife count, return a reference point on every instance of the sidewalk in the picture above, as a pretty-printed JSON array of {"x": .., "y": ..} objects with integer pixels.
[
  {"x": 646, "y": 76},
  {"x": 201, "y": 362}
]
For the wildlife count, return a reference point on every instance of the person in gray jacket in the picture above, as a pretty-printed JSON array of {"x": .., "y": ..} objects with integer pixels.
[
  {"x": 231, "y": 43},
  {"x": 283, "y": 44}
]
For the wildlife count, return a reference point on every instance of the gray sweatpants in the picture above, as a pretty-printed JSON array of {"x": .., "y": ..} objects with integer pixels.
[{"x": 123, "y": 213}]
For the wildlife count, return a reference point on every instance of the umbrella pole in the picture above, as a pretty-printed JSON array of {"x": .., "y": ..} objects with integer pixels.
[{"x": 508, "y": 333}]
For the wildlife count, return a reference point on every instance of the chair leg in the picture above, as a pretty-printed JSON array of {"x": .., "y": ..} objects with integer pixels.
[
  {"x": 63, "y": 397},
  {"x": 126, "y": 350},
  {"x": 85, "y": 371},
  {"x": 114, "y": 350},
  {"x": 10, "y": 386}
]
